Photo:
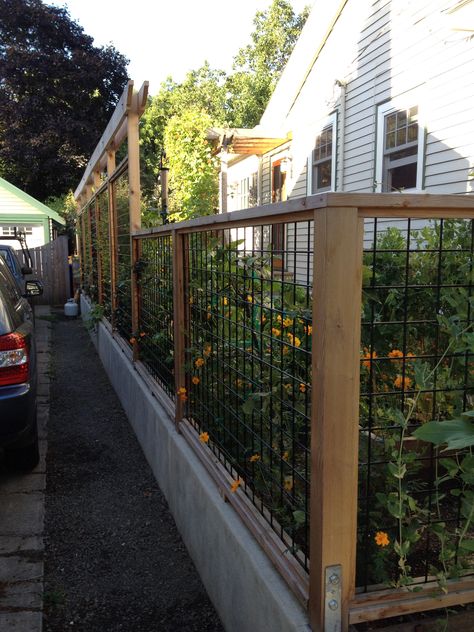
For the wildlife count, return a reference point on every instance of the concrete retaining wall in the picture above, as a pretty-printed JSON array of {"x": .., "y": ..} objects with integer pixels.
[{"x": 246, "y": 590}]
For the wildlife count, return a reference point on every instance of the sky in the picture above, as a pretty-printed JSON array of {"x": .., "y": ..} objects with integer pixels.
[{"x": 171, "y": 37}]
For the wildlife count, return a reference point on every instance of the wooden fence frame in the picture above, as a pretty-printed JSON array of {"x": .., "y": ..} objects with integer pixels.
[
  {"x": 337, "y": 290},
  {"x": 329, "y": 590}
]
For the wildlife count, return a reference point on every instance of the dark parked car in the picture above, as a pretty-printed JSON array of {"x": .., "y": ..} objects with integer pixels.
[
  {"x": 18, "y": 373},
  {"x": 19, "y": 271}
]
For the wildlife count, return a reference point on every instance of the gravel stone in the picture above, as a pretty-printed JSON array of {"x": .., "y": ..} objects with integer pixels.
[{"x": 114, "y": 560}]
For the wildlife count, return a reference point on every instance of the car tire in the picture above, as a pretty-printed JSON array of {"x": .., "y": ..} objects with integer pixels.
[{"x": 25, "y": 458}]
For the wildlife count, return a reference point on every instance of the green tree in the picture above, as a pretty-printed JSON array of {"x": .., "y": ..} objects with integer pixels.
[
  {"x": 57, "y": 93},
  {"x": 234, "y": 101},
  {"x": 201, "y": 89},
  {"x": 193, "y": 168},
  {"x": 258, "y": 66}
]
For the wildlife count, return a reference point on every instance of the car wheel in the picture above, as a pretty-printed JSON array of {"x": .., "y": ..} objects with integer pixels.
[{"x": 25, "y": 458}]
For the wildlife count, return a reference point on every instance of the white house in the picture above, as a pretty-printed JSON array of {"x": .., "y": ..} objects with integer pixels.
[
  {"x": 378, "y": 95},
  {"x": 22, "y": 211}
]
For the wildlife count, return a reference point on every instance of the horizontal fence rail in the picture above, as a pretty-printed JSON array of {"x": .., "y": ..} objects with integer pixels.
[{"x": 302, "y": 345}]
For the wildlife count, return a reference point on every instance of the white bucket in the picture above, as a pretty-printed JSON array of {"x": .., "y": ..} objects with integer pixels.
[{"x": 71, "y": 308}]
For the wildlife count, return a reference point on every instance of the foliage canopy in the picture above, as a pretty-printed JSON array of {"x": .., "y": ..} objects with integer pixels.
[
  {"x": 235, "y": 100},
  {"x": 57, "y": 93}
]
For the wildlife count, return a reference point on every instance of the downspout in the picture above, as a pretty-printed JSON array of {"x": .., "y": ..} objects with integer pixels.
[{"x": 342, "y": 135}]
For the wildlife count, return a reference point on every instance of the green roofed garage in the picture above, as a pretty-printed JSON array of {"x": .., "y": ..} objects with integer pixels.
[{"x": 20, "y": 210}]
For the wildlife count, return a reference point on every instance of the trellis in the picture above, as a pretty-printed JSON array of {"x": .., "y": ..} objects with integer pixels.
[{"x": 169, "y": 303}]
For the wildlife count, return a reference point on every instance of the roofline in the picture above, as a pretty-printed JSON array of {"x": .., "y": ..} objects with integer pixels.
[
  {"x": 290, "y": 67},
  {"x": 32, "y": 201}
]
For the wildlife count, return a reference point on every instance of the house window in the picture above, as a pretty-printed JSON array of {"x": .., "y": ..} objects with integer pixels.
[
  {"x": 322, "y": 164},
  {"x": 322, "y": 161},
  {"x": 9, "y": 231},
  {"x": 399, "y": 149},
  {"x": 244, "y": 192}
]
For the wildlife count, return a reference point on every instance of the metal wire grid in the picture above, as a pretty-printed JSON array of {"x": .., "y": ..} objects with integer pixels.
[
  {"x": 249, "y": 364},
  {"x": 86, "y": 250},
  {"x": 94, "y": 269},
  {"x": 103, "y": 246},
  {"x": 123, "y": 311},
  {"x": 155, "y": 336},
  {"x": 416, "y": 366}
]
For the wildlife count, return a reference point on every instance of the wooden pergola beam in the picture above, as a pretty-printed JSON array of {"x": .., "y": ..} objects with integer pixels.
[{"x": 115, "y": 132}]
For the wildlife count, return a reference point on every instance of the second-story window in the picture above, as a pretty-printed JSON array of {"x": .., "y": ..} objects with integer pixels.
[
  {"x": 400, "y": 147},
  {"x": 322, "y": 161},
  {"x": 400, "y": 161}
]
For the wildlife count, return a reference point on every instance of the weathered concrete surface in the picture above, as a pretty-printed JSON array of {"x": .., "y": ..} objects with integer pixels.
[
  {"x": 246, "y": 590},
  {"x": 22, "y": 516}
]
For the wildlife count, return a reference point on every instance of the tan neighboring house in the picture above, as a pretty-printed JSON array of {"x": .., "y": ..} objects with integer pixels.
[
  {"x": 378, "y": 95},
  {"x": 20, "y": 210}
]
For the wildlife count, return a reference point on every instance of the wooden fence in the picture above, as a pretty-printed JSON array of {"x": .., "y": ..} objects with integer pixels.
[
  {"x": 298, "y": 376},
  {"x": 186, "y": 302},
  {"x": 51, "y": 267}
]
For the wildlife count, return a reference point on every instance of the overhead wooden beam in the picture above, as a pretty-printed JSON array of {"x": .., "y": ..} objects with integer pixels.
[{"x": 116, "y": 130}]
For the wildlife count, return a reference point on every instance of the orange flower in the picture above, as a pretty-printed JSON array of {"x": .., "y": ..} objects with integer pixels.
[
  {"x": 195, "y": 380},
  {"x": 235, "y": 485},
  {"x": 302, "y": 388},
  {"x": 142, "y": 334},
  {"x": 275, "y": 331},
  {"x": 133, "y": 340},
  {"x": 402, "y": 382},
  {"x": 285, "y": 456},
  {"x": 199, "y": 362},
  {"x": 263, "y": 320},
  {"x": 249, "y": 298},
  {"x": 368, "y": 356},
  {"x": 225, "y": 301},
  {"x": 382, "y": 539},
  {"x": 207, "y": 351},
  {"x": 395, "y": 353},
  {"x": 294, "y": 340},
  {"x": 287, "y": 322},
  {"x": 308, "y": 330},
  {"x": 288, "y": 483},
  {"x": 204, "y": 437},
  {"x": 181, "y": 392},
  {"x": 254, "y": 458}
]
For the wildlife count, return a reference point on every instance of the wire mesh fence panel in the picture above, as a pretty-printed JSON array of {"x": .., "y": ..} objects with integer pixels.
[
  {"x": 94, "y": 268},
  {"x": 415, "y": 500},
  {"x": 103, "y": 247},
  {"x": 123, "y": 311},
  {"x": 155, "y": 336},
  {"x": 86, "y": 250},
  {"x": 249, "y": 364}
]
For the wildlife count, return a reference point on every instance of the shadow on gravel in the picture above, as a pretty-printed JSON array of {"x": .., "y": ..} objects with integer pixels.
[{"x": 114, "y": 558}]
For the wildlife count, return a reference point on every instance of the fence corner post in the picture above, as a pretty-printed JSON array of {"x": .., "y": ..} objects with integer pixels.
[{"x": 337, "y": 292}]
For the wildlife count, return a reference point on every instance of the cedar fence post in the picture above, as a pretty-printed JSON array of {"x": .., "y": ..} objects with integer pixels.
[
  {"x": 112, "y": 235},
  {"x": 134, "y": 209},
  {"x": 337, "y": 294}
]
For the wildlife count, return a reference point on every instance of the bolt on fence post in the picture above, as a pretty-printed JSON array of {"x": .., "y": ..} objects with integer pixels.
[{"x": 337, "y": 291}]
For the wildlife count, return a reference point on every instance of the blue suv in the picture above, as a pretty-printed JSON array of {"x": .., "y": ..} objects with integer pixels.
[{"x": 18, "y": 373}]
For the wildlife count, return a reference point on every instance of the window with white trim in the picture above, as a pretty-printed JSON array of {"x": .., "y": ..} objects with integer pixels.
[
  {"x": 9, "y": 231},
  {"x": 322, "y": 163},
  {"x": 399, "y": 149},
  {"x": 244, "y": 192}
]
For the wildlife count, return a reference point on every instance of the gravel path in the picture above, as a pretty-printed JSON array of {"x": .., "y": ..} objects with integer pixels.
[{"x": 114, "y": 559}]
